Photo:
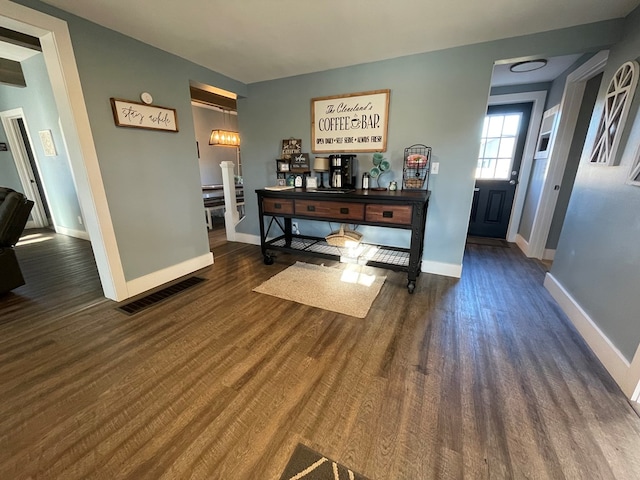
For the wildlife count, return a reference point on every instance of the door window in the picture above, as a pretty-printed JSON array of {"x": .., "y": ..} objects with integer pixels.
[{"x": 498, "y": 146}]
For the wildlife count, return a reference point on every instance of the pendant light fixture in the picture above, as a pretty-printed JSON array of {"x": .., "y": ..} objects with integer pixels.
[{"x": 224, "y": 137}]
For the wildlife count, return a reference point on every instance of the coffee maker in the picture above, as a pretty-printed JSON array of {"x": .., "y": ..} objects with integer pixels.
[{"x": 342, "y": 171}]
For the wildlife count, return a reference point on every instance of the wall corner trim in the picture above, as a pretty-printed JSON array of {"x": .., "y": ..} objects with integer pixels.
[
  {"x": 160, "y": 277},
  {"x": 523, "y": 245},
  {"x": 624, "y": 373}
]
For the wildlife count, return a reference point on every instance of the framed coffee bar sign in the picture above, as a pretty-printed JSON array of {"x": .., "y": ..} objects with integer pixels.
[{"x": 350, "y": 123}]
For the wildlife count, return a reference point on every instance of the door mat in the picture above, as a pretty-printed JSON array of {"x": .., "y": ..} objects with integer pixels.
[
  {"x": 347, "y": 289},
  {"x": 307, "y": 464}
]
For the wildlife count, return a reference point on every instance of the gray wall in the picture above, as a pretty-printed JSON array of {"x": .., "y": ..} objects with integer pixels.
[
  {"x": 151, "y": 178},
  {"x": 534, "y": 190},
  {"x": 598, "y": 260},
  {"x": 557, "y": 86},
  {"x": 205, "y": 120},
  {"x": 41, "y": 114},
  {"x": 437, "y": 98}
]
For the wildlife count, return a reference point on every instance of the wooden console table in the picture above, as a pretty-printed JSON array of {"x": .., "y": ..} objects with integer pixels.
[{"x": 402, "y": 209}]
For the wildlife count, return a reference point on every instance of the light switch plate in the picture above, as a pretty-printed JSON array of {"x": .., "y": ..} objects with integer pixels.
[{"x": 435, "y": 168}]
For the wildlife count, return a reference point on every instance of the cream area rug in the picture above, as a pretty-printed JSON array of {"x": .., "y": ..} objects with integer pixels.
[{"x": 346, "y": 289}]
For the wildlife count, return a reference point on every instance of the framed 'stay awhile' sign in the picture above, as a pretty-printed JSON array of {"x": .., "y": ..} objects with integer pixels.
[
  {"x": 139, "y": 115},
  {"x": 350, "y": 123}
]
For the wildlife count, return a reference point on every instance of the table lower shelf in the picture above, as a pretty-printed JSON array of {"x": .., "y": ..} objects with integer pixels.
[{"x": 374, "y": 255}]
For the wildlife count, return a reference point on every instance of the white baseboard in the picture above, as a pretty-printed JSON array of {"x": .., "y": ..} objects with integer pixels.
[
  {"x": 522, "y": 244},
  {"x": 72, "y": 233},
  {"x": 625, "y": 374},
  {"x": 160, "y": 277},
  {"x": 549, "y": 254},
  {"x": 248, "y": 238},
  {"x": 634, "y": 374},
  {"x": 440, "y": 268}
]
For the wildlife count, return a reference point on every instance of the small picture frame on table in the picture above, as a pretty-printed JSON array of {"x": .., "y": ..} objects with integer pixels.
[
  {"x": 283, "y": 165},
  {"x": 282, "y": 182},
  {"x": 312, "y": 182}
]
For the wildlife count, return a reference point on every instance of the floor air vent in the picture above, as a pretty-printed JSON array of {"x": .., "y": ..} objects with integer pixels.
[{"x": 145, "y": 302}]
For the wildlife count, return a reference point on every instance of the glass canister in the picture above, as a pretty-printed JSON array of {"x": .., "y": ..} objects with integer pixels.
[
  {"x": 365, "y": 181},
  {"x": 393, "y": 186}
]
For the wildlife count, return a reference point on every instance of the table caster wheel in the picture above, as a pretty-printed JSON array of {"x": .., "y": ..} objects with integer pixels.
[
  {"x": 268, "y": 260},
  {"x": 411, "y": 286}
]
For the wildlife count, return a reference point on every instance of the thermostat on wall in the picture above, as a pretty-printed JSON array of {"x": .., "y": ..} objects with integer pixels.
[{"x": 146, "y": 98}]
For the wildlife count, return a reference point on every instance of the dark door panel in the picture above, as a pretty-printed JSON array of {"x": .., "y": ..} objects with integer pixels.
[
  {"x": 493, "y": 198},
  {"x": 489, "y": 212}
]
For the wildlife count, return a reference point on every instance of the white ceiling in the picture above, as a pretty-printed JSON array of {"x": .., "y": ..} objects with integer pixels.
[
  {"x": 255, "y": 40},
  {"x": 502, "y": 76}
]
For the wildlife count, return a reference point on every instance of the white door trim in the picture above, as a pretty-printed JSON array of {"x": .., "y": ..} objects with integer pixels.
[
  {"x": 23, "y": 166},
  {"x": 559, "y": 151},
  {"x": 538, "y": 99},
  {"x": 65, "y": 81}
]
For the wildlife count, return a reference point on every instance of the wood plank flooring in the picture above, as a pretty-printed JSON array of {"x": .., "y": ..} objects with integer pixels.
[{"x": 476, "y": 378}]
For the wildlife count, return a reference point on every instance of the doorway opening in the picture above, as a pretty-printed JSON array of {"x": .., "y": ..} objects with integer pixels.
[
  {"x": 215, "y": 118},
  {"x": 570, "y": 109},
  {"x": 15, "y": 127},
  {"x": 565, "y": 187},
  {"x": 37, "y": 179},
  {"x": 62, "y": 72}
]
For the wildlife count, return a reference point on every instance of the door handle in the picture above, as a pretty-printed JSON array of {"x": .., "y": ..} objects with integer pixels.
[{"x": 476, "y": 189}]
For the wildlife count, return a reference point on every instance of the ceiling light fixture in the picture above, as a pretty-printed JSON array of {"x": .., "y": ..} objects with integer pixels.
[
  {"x": 223, "y": 137},
  {"x": 528, "y": 66}
]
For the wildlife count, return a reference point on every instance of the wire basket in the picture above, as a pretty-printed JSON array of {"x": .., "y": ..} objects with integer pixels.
[{"x": 417, "y": 164}]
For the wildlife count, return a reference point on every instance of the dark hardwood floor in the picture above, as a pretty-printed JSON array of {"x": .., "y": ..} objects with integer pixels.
[{"x": 481, "y": 377}]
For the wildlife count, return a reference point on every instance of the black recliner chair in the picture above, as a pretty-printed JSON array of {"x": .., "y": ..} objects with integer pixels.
[{"x": 14, "y": 213}]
